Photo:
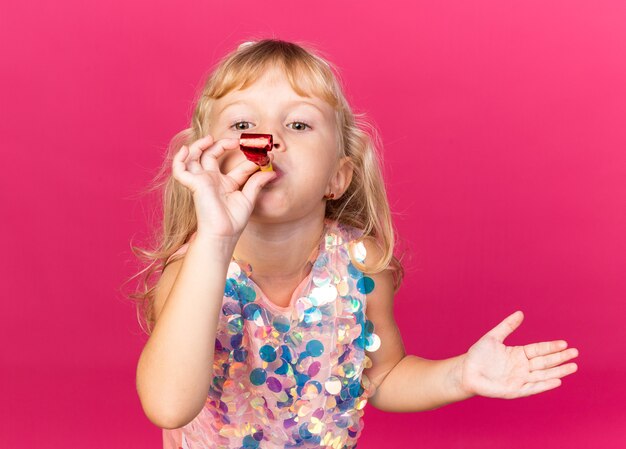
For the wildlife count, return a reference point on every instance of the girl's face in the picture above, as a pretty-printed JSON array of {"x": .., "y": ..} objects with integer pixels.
[{"x": 305, "y": 150}]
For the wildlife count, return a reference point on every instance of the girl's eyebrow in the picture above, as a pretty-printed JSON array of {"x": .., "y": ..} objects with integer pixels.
[
  {"x": 291, "y": 103},
  {"x": 309, "y": 103}
]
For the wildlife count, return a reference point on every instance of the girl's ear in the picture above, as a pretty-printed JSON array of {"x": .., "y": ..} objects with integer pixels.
[{"x": 340, "y": 182}]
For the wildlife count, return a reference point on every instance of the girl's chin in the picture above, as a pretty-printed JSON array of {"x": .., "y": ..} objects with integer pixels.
[{"x": 270, "y": 202}]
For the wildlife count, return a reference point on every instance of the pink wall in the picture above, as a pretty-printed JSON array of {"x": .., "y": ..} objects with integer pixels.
[{"x": 504, "y": 124}]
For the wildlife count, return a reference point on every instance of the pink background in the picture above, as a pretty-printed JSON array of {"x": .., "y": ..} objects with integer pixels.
[{"x": 504, "y": 132}]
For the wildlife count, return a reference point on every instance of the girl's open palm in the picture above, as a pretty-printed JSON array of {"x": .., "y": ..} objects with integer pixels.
[
  {"x": 222, "y": 209},
  {"x": 494, "y": 370}
]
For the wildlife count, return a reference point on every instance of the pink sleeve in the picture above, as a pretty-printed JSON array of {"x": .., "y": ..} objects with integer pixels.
[{"x": 182, "y": 250}]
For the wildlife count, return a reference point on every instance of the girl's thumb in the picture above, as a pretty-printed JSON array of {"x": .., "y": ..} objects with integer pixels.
[{"x": 255, "y": 183}]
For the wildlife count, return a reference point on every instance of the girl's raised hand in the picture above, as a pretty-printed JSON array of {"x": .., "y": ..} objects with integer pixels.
[
  {"x": 222, "y": 210},
  {"x": 494, "y": 370}
]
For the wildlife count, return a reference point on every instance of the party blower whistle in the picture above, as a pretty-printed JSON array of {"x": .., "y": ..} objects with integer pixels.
[{"x": 255, "y": 147}]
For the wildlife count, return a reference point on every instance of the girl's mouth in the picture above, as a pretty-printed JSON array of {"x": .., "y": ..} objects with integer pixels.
[{"x": 279, "y": 174}]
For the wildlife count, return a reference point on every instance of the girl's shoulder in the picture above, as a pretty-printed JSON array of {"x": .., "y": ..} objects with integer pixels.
[
  {"x": 362, "y": 248},
  {"x": 349, "y": 233}
]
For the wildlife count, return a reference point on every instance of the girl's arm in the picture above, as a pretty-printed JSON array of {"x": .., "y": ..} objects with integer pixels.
[
  {"x": 402, "y": 383},
  {"x": 407, "y": 383},
  {"x": 175, "y": 367}
]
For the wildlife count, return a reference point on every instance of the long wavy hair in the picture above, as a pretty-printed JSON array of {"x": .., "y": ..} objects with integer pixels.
[{"x": 363, "y": 205}]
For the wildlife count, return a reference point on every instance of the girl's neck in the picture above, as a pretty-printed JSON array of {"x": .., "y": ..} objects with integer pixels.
[{"x": 280, "y": 251}]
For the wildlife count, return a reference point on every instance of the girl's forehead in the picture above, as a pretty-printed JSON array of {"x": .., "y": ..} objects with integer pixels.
[
  {"x": 259, "y": 97},
  {"x": 275, "y": 81},
  {"x": 276, "y": 87}
]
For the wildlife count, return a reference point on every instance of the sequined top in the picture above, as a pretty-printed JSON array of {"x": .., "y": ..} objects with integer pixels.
[{"x": 286, "y": 377}]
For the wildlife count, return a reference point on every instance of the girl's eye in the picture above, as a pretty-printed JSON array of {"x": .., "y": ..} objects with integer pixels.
[
  {"x": 302, "y": 127},
  {"x": 238, "y": 123}
]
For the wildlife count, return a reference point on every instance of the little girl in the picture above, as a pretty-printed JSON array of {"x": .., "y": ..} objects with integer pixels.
[{"x": 271, "y": 324}]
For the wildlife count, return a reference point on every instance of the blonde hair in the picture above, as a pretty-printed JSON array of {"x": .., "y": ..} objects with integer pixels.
[{"x": 363, "y": 205}]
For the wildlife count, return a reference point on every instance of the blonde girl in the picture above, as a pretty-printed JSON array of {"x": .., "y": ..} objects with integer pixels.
[{"x": 271, "y": 324}]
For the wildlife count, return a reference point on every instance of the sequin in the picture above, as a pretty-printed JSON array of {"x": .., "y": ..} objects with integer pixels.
[
  {"x": 249, "y": 442},
  {"x": 287, "y": 353},
  {"x": 331, "y": 402},
  {"x": 321, "y": 261},
  {"x": 246, "y": 294},
  {"x": 251, "y": 311},
  {"x": 240, "y": 354},
  {"x": 348, "y": 370},
  {"x": 231, "y": 287},
  {"x": 304, "y": 431},
  {"x": 258, "y": 376},
  {"x": 311, "y": 389},
  {"x": 321, "y": 278},
  {"x": 267, "y": 353},
  {"x": 331, "y": 441},
  {"x": 235, "y": 324},
  {"x": 333, "y": 385},
  {"x": 230, "y": 308},
  {"x": 315, "y": 348},
  {"x": 284, "y": 369},
  {"x": 290, "y": 422},
  {"x": 237, "y": 369},
  {"x": 301, "y": 379},
  {"x": 323, "y": 295},
  {"x": 373, "y": 343},
  {"x": 302, "y": 407},
  {"x": 319, "y": 413},
  {"x": 343, "y": 287},
  {"x": 281, "y": 323},
  {"x": 282, "y": 397},
  {"x": 312, "y": 315},
  {"x": 365, "y": 285},
  {"x": 235, "y": 340},
  {"x": 234, "y": 269},
  {"x": 245, "y": 268},
  {"x": 274, "y": 384},
  {"x": 314, "y": 369},
  {"x": 353, "y": 271},
  {"x": 316, "y": 426},
  {"x": 294, "y": 338},
  {"x": 355, "y": 388},
  {"x": 359, "y": 252},
  {"x": 333, "y": 239},
  {"x": 354, "y": 304},
  {"x": 304, "y": 362},
  {"x": 365, "y": 381},
  {"x": 369, "y": 327}
]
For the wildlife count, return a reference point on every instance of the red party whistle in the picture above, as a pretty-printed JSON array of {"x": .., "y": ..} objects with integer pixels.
[{"x": 255, "y": 147}]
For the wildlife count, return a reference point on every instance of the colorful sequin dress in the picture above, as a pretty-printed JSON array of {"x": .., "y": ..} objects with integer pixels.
[{"x": 287, "y": 377}]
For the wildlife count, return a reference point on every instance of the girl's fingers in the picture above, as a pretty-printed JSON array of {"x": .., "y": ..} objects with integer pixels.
[
  {"x": 196, "y": 148},
  {"x": 548, "y": 361},
  {"x": 538, "y": 387},
  {"x": 254, "y": 185},
  {"x": 242, "y": 172},
  {"x": 195, "y": 152},
  {"x": 553, "y": 373},
  {"x": 543, "y": 348},
  {"x": 179, "y": 167},
  {"x": 506, "y": 326},
  {"x": 216, "y": 150}
]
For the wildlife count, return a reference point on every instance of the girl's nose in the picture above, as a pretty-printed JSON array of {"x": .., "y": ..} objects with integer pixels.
[{"x": 276, "y": 145}]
